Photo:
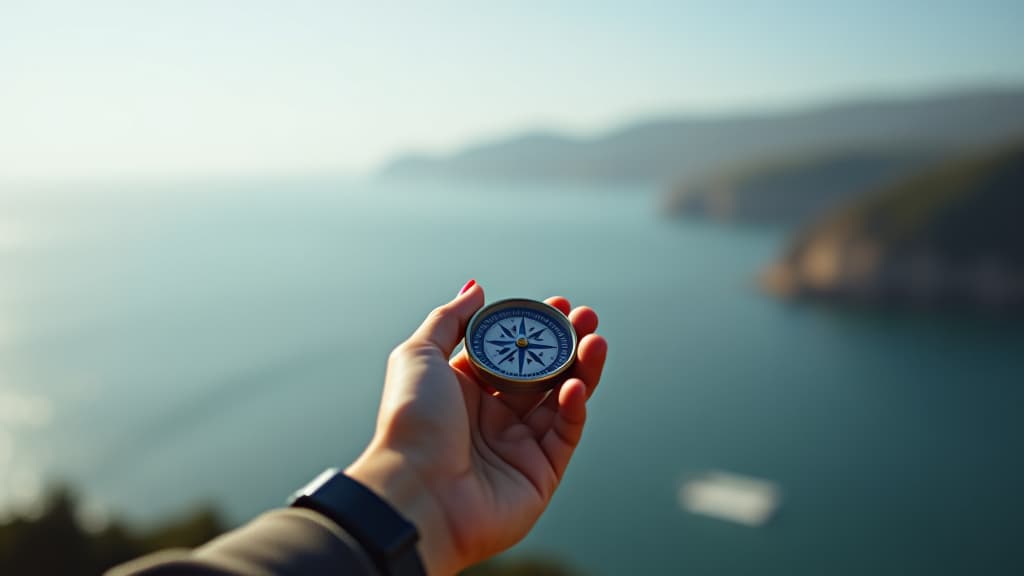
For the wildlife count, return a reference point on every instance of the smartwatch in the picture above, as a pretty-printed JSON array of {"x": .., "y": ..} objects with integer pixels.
[{"x": 386, "y": 536}]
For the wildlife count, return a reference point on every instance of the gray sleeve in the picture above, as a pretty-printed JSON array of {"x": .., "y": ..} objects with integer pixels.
[{"x": 281, "y": 542}]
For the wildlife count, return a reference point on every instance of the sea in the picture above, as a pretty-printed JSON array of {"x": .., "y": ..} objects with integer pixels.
[{"x": 165, "y": 346}]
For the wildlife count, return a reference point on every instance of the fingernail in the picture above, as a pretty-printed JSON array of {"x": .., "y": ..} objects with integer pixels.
[{"x": 468, "y": 285}]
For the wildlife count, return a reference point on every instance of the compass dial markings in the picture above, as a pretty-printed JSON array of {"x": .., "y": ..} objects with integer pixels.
[{"x": 513, "y": 342}]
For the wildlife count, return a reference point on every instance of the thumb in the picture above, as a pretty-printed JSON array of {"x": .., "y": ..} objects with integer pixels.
[{"x": 446, "y": 324}]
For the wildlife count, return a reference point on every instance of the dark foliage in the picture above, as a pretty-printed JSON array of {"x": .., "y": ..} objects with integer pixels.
[{"x": 55, "y": 543}]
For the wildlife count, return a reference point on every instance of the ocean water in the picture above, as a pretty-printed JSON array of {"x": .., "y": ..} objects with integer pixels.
[{"x": 162, "y": 346}]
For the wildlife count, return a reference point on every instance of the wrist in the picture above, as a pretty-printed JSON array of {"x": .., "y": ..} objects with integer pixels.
[{"x": 393, "y": 478}]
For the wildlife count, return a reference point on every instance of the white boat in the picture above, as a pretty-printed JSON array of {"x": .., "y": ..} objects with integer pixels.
[{"x": 731, "y": 497}]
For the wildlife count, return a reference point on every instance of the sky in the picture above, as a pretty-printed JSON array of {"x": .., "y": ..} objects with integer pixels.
[{"x": 110, "y": 89}]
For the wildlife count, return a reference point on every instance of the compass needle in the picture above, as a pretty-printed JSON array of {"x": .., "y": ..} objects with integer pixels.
[{"x": 540, "y": 347}]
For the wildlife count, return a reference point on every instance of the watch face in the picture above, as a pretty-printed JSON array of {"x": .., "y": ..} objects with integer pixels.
[{"x": 521, "y": 344}]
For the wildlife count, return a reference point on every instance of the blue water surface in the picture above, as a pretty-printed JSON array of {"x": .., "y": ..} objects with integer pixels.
[{"x": 162, "y": 346}]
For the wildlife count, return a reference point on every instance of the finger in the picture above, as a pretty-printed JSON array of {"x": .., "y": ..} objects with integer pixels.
[
  {"x": 589, "y": 365},
  {"x": 593, "y": 350},
  {"x": 566, "y": 429},
  {"x": 461, "y": 362},
  {"x": 584, "y": 320},
  {"x": 445, "y": 325},
  {"x": 561, "y": 303}
]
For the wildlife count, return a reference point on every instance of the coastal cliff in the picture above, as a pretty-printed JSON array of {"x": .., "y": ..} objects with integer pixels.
[{"x": 950, "y": 235}]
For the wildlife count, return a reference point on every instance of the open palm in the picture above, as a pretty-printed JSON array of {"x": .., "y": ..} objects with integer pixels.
[{"x": 474, "y": 470}]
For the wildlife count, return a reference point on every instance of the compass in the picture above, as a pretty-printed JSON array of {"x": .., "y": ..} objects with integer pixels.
[{"x": 520, "y": 345}]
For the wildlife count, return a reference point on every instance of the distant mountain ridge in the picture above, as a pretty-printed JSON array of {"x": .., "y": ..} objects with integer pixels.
[{"x": 668, "y": 150}]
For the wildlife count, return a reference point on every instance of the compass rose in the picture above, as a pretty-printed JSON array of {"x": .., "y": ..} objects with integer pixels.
[{"x": 526, "y": 347}]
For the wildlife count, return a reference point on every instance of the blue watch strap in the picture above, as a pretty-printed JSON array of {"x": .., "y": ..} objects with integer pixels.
[{"x": 386, "y": 536}]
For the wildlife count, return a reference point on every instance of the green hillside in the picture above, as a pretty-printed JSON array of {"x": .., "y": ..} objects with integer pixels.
[
  {"x": 951, "y": 234},
  {"x": 791, "y": 190}
]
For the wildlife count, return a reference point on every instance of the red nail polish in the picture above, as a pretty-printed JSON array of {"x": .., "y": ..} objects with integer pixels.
[{"x": 468, "y": 285}]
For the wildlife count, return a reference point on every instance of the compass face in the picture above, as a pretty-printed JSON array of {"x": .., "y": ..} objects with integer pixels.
[{"x": 521, "y": 341}]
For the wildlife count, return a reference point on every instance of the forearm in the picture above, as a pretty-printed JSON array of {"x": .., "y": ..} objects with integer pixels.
[{"x": 392, "y": 477}]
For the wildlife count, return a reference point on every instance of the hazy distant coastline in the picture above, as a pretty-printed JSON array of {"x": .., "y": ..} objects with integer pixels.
[{"x": 671, "y": 150}]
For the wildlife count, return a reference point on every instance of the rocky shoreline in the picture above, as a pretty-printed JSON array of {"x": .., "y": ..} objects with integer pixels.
[{"x": 860, "y": 273}]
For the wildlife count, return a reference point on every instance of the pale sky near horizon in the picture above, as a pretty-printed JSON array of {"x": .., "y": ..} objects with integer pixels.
[{"x": 111, "y": 89}]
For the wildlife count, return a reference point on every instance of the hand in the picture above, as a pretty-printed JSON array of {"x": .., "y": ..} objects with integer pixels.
[{"x": 472, "y": 470}]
